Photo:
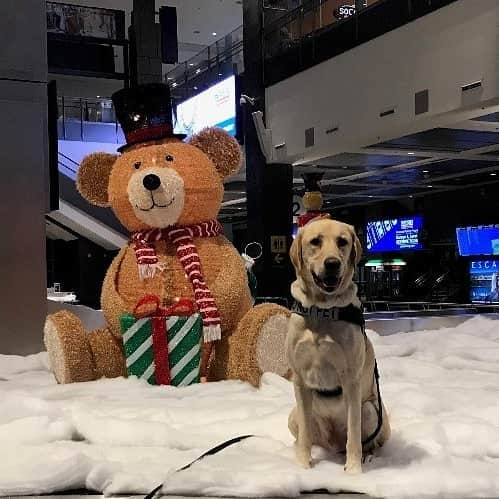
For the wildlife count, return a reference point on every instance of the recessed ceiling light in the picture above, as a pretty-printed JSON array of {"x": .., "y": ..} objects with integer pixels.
[
  {"x": 169, "y": 78},
  {"x": 411, "y": 153},
  {"x": 429, "y": 186},
  {"x": 195, "y": 88},
  {"x": 219, "y": 74},
  {"x": 98, "y": 97},
  {"x": 214, "y": 33},
  {"x": 370, "y": 196},
  {"x": 411, "y": 196},
  {"x": 426, "y": 171},
  {"x": 493, "y": 174},
  {"x": 191, "y": 64}
]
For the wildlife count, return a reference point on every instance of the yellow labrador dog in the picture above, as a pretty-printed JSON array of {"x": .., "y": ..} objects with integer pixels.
[{"x": 338, "y": 404}]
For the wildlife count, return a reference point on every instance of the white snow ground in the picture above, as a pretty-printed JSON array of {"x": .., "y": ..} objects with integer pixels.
[{"x": 123, "y": 436}]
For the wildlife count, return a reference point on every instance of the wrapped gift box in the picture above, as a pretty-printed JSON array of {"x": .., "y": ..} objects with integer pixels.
[{"x": 164, "y": 346}]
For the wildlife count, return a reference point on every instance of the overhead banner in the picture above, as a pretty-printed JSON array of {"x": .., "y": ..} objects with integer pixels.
[{"x": 77, "y": 20}]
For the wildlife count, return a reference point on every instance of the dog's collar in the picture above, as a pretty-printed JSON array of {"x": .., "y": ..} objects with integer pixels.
[{"x": 350, "y": 313}]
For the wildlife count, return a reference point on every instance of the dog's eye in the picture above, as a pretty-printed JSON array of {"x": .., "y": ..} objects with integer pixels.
[
  {"x": 137, "y": 165},
  {"x": 316, "y": 241},
  {"x": 342, "y": 242},
  {"x": 169, "y": 157}
]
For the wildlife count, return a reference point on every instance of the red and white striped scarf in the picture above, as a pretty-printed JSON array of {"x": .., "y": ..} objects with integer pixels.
[{"x": 182, "y": 238}]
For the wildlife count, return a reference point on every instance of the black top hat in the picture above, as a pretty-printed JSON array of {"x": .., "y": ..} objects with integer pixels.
[{"x": 144, "y": 113}]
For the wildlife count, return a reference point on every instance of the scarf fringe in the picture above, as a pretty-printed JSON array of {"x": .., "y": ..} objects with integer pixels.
[{"x": 212, "y": 333}]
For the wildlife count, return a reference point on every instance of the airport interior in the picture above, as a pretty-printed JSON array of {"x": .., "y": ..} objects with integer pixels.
[{"x": 286, "y": 211}]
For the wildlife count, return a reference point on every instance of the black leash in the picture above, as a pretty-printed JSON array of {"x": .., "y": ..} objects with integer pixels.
[{"x": 211, "y": 452}]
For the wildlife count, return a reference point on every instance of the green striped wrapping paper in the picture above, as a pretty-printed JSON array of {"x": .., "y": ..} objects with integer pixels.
[{"x": 184, "y": 346}]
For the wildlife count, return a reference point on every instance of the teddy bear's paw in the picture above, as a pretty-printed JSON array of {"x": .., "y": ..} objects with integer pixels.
[
  {"x": 68, "y": 349},
  {"x": 270, "y": 346}
]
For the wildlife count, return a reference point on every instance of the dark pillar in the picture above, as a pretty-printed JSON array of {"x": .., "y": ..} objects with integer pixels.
[
  {"x": 147, "y": 43},
  {"x": 268, "y": 186}
]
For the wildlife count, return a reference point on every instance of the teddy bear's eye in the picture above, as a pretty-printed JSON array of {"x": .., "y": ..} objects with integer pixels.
[
  {"x": 169, "y": 157},
  {"x": 137, "y": 165}
]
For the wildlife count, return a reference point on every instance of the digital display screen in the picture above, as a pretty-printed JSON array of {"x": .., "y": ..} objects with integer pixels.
[
  {"x": 479, "y": 240},
  {"x": 484, "y": 276},
  {"x": 395, "y": 234},
  {"x": 215, "y": 107}
]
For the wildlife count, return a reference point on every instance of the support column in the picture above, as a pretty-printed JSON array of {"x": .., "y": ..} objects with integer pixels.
[
  {"x": 146, "y": 66},
  {"x": 24, "y": 166},
  {"x": 268, "y": 186}
]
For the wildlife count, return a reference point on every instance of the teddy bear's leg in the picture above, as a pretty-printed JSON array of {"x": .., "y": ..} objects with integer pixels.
[
  {"x": 108, "y": 355},
  {"x": 257, "y": 346},
  {"x": 66, "y": 341}
]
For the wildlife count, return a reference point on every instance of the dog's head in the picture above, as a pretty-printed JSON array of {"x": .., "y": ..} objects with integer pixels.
[{"x": 324, "y": 254}]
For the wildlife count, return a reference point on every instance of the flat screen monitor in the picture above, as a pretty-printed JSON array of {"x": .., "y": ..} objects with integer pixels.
[
  {"x": 479, "y": 240},
  {"x": 484, "y": 275},
  {"x": 215, "y": 106},
  {"x": 394, "y": 234}
]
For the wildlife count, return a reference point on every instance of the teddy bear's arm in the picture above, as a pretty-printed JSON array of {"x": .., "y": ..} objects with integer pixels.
[
  {"x": 231, "y": 290},
  {"x": 111, "y": 302}
]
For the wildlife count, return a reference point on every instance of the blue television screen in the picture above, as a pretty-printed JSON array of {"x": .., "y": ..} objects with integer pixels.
[
  {"x": 479, "y": 240},
  {"x": 395, "y": 234},
  {"x": 484, "y": 276}
]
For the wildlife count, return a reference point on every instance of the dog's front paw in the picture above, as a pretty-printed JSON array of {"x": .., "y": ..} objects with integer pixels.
[
  {"x": 304, "y": 457},
  {"x": 353, "y": 468}
]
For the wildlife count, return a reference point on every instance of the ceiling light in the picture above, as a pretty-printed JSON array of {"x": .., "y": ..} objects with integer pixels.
[
  {"x": 493, "y": 174},
  {"x": 429, "y": 186},
  {"x": 195, "y": 88},
  {"x": 214, "y": 33},
  {"x": 426, "y": 171},
  {"x": 169, "y": 78},
  {"x": 219, "y": 74},
  {"x": 174, "y": 84},
  {"x": 370, "y": 196},
  {"x": 191, "y": 64},
  {"x": 198, "y": 71},
  {"x": 411, "y": 153},
  {"x": 411, "y": 196},
  {"x": 98, "y": 97}
]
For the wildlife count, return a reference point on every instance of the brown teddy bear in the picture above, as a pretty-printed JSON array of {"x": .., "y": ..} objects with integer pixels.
[{"x": 168, "y": 193}]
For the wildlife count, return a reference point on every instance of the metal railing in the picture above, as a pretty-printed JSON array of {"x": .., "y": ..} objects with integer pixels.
[{"x": 223, "y": 56}]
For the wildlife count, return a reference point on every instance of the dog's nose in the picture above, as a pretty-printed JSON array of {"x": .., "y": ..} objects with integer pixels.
[
  {"x": 151, "y": 182},
  {"x": 331, "y": 266}
]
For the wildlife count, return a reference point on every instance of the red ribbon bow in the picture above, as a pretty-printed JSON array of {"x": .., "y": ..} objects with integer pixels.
[{"x": 183, "y": 307}]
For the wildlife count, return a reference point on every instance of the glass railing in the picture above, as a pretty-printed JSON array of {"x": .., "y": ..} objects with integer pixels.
[
  {"x": 318, "y": 30},
  {"x": 88, "y": 120}
]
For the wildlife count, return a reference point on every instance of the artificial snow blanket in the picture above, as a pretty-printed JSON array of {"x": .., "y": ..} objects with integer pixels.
[{"x": 123, "y": 436}]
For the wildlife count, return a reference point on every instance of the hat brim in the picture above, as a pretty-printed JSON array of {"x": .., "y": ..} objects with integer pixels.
[{"x": 123, "y": 148}]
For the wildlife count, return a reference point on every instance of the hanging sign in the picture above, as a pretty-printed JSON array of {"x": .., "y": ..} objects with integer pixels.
[{"x": 344, "y": 11}]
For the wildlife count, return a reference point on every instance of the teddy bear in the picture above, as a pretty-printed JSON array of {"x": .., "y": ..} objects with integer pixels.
[{"x": 167, "y": 192}]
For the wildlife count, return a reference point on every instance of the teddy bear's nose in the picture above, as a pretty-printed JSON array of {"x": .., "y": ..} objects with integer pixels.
[{"x": 151, "y": 182}]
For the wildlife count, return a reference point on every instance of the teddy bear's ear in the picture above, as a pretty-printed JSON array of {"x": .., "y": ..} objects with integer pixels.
[
  {"x": 93, "y": 177},
  {"x": 221, "y": 148}
]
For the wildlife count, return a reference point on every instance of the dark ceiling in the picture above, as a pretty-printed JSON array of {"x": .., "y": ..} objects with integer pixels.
[{"x": 437, "y": 160}]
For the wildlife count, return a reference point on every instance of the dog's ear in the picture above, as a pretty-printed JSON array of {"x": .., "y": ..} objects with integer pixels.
[
  {"x": 356, "y": 253},
  {"x": 295, "y": 252}
]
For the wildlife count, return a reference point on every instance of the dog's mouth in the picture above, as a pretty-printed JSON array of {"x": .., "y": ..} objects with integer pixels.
[
  {"x": 334, "y": 393},
  {"x": 328, "y": 284},
  {"x": 155, "y": 205}
]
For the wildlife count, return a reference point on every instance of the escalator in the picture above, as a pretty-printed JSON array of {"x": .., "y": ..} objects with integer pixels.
[{"x": 78, "y": 217}]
